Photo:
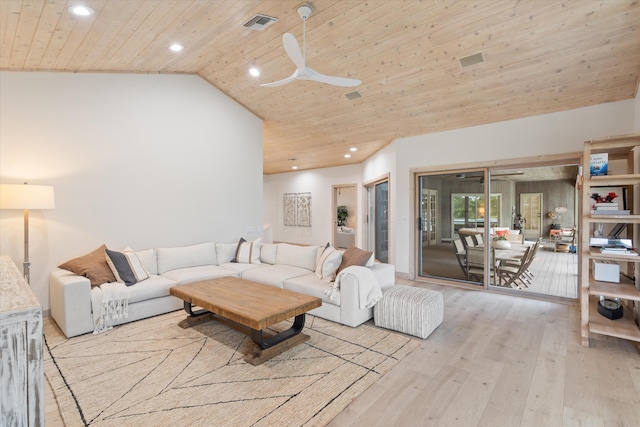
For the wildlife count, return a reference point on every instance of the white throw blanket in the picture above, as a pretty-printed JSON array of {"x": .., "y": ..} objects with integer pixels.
[
  {"x": 369, "y": 291},
  {"x": 109, "y": 301}
]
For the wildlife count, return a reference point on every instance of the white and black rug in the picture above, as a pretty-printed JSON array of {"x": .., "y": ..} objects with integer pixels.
[{"x": 153, "y": 372}]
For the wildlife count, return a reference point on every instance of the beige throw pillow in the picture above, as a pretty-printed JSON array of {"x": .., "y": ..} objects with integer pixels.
[
  {"x": 93, "y": 266},
  {"x": 354, "y": 256}
]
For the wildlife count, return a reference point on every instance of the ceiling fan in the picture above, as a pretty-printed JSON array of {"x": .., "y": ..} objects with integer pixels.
[{"x": 303, "y": 72}]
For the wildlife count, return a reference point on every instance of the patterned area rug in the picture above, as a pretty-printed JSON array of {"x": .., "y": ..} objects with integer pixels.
[{"x": 153, "y": 372}]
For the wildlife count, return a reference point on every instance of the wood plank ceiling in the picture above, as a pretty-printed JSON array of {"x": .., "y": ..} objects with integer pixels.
[{"x": 541, "y": 56}]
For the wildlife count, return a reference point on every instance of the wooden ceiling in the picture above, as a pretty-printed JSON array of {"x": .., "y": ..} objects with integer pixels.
[{"x": 541, "y": 56}]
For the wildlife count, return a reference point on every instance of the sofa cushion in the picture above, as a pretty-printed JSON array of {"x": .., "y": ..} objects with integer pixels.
[
  {"x": 148, "y": 259},
  {"x": 226, "y": 252},
  {"x": 297, "y": 256},
  {"x": 274, "y": 275},
  {"x": 93, "y": 266},
  {"x": 309, "y": 284},
  {"x": 153, "y": 287},
  {"x": 239, "y": 267},
  {"x": 268, "y": 253},
  {"x": 328, "y": 263},
  {"x": 196, "y": 274},
  {"x": 126, "y": 266},
  {"x": 248, "y": 252},
  {"x": 354, "y": 256},
  {"x": 186, "y": 256}
]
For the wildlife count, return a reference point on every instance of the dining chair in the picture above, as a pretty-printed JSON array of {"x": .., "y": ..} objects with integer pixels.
[
  {"x": 512, "y": 272},
  {"x": 461, "y": 254}
]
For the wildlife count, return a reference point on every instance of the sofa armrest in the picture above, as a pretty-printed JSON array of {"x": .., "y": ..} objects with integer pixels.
[
  {"x": 385, "y": 273},
  {"x": 70, "y": 301}
]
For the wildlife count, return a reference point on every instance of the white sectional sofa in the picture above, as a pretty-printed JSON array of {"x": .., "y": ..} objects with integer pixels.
[{"x": 283, "y": 265}]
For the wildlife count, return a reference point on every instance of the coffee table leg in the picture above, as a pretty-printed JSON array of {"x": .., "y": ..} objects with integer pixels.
[
  {"x": 264, "y": 343},
  {"x": 188, "y": 307}
]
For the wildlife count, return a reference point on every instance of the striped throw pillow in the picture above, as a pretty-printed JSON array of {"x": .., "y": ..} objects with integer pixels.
[{"x": 126, "y": 266}]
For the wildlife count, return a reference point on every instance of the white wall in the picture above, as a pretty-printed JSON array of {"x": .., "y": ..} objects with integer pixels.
[
  {"x": 319, "y": 183},
  {"x": 136, "y": 160},
  {"x": 555, "y": 133}
]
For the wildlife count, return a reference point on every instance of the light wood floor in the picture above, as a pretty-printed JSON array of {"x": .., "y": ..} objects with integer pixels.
[{"x": 498, "y": 360}]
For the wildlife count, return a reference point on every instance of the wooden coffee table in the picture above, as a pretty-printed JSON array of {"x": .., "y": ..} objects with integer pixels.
[{"x": 251, "y": 308}]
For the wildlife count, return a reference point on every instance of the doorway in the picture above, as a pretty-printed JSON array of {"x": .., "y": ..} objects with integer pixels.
[
  {"x": 377, "y": 234},
  {"x": 531, "y": 214},
  {"x": 344, "y": 209}
]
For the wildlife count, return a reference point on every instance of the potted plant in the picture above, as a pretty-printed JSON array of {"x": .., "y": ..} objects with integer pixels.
[
  {"x": 343, "y": 214},
  {"x": 500, "y": 242}
]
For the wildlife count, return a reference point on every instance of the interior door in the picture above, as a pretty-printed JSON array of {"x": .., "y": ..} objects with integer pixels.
[
  {"x": 531, "y": 211},
  {"x": 378, "y": 220},
  {"x": 429, "y": 217}
]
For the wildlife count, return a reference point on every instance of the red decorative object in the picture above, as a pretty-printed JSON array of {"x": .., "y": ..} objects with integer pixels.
[{"x": 604, "y": 199}]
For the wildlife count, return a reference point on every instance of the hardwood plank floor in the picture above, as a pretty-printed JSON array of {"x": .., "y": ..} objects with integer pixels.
[
  {"x": 500, "y": 360},
  {"x": 497, "y": 360}
]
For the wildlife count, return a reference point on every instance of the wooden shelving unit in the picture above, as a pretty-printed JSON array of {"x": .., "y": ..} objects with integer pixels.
[{"x": 623, "y": 150}]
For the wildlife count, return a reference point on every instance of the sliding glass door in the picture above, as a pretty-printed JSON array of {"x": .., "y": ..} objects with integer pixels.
[{"x": 463, "y": 238}]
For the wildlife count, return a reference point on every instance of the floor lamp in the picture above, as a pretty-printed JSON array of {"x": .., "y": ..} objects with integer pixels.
[{"x": 16, "y": 196}]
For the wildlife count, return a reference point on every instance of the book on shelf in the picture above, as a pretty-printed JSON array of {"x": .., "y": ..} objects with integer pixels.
[
  {"x": 618, "y": 251},
  {"x": 610, "y": 212},
  {"x": 605, "y": 206},
  {"x": 599, "y": 164}
]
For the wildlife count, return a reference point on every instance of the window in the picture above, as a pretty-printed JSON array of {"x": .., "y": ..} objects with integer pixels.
[{"x": 469, "y": 210}]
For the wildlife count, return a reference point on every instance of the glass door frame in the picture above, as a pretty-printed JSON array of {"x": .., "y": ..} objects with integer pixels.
[
  {"x": 369, "y": 241},
  {"x": 493, "y": 166}
]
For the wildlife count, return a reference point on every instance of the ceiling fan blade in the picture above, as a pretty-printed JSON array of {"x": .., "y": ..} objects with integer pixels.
[
  {"x": 292, "y": 48},
  {"x": 291, "y": 78},
  {"x": 312, "y": 74}
]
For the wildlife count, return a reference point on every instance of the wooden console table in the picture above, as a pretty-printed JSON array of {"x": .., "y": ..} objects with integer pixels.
[{"x": 21, "y": 368}]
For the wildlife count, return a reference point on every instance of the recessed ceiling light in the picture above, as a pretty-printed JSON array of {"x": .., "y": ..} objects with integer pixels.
[
  {"x": 176, "y": 47},
  {"x": 254, "y": 71},
  {"x": 347, "y": 156},
  {"x": 353, "y": 149},
  {"x": 294, "y": 167},
  {"x": 81, "y": 10}
]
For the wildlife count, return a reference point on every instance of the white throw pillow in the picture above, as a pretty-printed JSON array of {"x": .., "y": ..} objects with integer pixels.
[
  {"x": 268, "y": 253},
  {"x": 248, "y": 252},
  {"x": 226, "y": 252},
  {"x": 148, "y": 259},
  {"x": 328, "y": 264}
]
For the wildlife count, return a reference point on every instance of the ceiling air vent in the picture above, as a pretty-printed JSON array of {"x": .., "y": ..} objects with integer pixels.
[
  {"x": 353, "y": 95},
  {"x": 468, "y": 61},
  {"x": 259, "y": 22}
]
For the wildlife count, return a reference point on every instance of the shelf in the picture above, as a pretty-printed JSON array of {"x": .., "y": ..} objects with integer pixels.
[
  {"x": 623, "y": 290},
  {"x": 623, "y": 149},
  {"x": 596, "y": 254},
  {"x": 612, "y": 180},
  {"x": 625, "y": 327},
  {"x": 632, "y": 219}
]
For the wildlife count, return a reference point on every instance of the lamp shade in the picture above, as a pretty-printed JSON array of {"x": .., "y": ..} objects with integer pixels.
[{"x": 25, "y": 196}]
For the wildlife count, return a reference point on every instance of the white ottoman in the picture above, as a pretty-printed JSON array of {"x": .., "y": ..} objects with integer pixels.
[{"x": 411, "y": 310}]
